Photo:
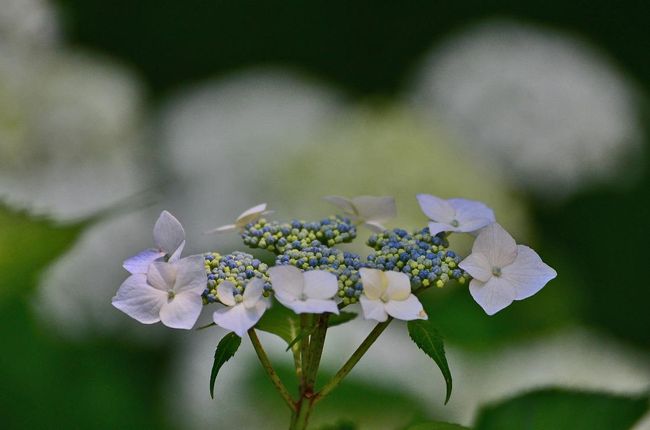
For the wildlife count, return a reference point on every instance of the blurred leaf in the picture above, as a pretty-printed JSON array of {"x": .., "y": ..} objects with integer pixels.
[
  {"x": 332, "y": 321},
  {"x": 428, "y": 339},
  {"x": 226, "y": 348},
  {"x": 436, "y": 426},
  {"x": 563, "y": 410},
  {"x": 280, "y": 321},
  {"x": 27, "y": 245},
  {"x": 340, "y": 425}
]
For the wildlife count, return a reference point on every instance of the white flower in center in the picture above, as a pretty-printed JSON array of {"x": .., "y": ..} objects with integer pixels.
[
  {"x": 243, "y": 311},
  {"x": 502, "y": 270},
  {"x": 304, "y": 292},
  {"x": 371, "y": 211},
  {"x": 246, "y": 217},
  {"x": 388, "y": 293},
  {"x": 169, "y": 237},
  {"x": 459, "y": 215},
  {"x": 170, "y": 292}
]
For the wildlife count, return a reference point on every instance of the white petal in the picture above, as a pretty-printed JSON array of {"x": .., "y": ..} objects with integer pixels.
[
  {"x": 372, "y": 208},
  {"x": 373, "y": 309},
  {"x": 398, "y": 285},
  {"x": 182, "y": 311},
  {"x": 139, "y": 300},
  {"x": 343, "y": 203},
  {"x": 374, "y": 283},
  {"x": 471, "y": 214},
  {"x": 528, "y": 273},
  {"x": 374, "y": 226},
  {"x": 436, "y": 227},
  {"x": 493, "y": 295},
  {"x": 140, "y": 262},
  {"x": 287, "y": 282},
  {"x": 238, "y": 318},
  {"x": 168, "y": 233},
  {"x": 406, "y": 310},
  {"x": 498, "y": 247},
  {"x": 320, "y": 284},
  {"x": 253, "y": 292},
  {"x": 190, "y": 275},
  {"x": 436, "y": 209},
  {"x": 250, "y": 215},
  {"x": 162, "y": 275},
  {"x": 226, "y": 293},
  {"x": 223, "y": 229},
  {"x": 477, "y": 266},
  {"x": 313, "y": 306},
  {"x": 176, "y": 255}
]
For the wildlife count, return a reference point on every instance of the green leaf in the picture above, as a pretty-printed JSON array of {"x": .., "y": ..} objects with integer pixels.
[
  {"x": 341, "y": 318},
  {"x": 429, "y": 340},
  {"x": 280, "y": 321},
  {"x": 226, "y": 348},
  {"x": 563, "y": 410},
  {"x": 436, "y": 425}
]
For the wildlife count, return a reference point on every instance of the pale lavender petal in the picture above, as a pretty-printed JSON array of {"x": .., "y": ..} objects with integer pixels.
[
  {"x": 191, "y": 275},
  {"x": 343, "y": 203},
  {"x": 226, "y": 293},
  {"x": 374, "y": 226},
  {"x": 176, "y": 255},
  {"x": 477, "y": 266},
  {"x": 182, "y": 311},
  {"x": 373, "y": 309},
  {"x": 436, "y": 209},
  {"x": 528, "y": 273},
  {"x": 139, "y": 300},
  {"x": 162, "y": 275},
  {"x": 238, "y": 318},
  {"x": 498, "y": 247},
  {"x": 320, "y": 284},
  {"x": 374, "y": 208},
  {"x": 398, "y": 285},
  {"x": 471, "y": 214},
  {"x": 253, "y": 292},
  {"x": 406, "y": 310},
  {"x": 287, "y": 282},
  {"x": 140, "y": 262},
  {"x": 436, "y": 227},
  {"x": 313, "y": 306},
  {"x": 168, "y": 233},
  {"x": 493, "y": 295},
  {"x": 223, "y": 229},
  {"x": 374, "y": 283}
]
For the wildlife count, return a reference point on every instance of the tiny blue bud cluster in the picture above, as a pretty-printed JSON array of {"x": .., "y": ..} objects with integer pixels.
[
  {"x": 238, "y": 268},
  {"x": 345, "y": 265},
  {"x": 281, "y": 237},
  {"x": 423, "y": 257}
]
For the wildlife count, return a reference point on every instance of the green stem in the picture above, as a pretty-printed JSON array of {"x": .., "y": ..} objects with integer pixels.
[
  {"x": 352, "y": 361},
  {"x": 264, "y": 359},
  {"x": 316, "y": 344},
  {"x": 300, "y": 417}
]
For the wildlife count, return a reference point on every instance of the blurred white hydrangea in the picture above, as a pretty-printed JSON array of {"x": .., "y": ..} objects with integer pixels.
[
  {"x": 218, "y": 135},
  {"x": 553, "y": 112},
  {"x": 28, "y": 23},
  {"x": 70, "y": 130}
]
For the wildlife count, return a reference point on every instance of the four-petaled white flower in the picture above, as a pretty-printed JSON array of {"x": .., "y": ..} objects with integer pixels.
[
  {"x": 170, "y": 292},
  {"x": 243, "y": 311},
  {"x": 502, "y": 270},
  {"x": 169, "y": 237},
  {"x": 246, "y": 217},
  {"x": 371, "y": 211},
  {"x": 459, "y": 215},
  {"x": 304, "y": 292},
  {"x": 388, "y": 293}
]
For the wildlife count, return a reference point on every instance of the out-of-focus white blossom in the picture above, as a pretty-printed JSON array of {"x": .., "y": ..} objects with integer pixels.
[
  {"x": 549, "y": 109},
  {"x": 28, "y": 23},
  {"x": 371, "y": 211},
  {"x": 248, "y": 216}
]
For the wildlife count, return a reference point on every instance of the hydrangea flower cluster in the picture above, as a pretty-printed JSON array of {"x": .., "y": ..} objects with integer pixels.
[
  {"x": 237, "y": 268},
  {"x": 280, "y": 237},
  {"x": 312, "y": 279}
]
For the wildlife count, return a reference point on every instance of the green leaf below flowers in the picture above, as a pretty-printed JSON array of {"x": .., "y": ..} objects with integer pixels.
[
  {"x": 281, "y": 322},
  {"x": 429, "y": 340},
  {"x": 226, "y": 348}
]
